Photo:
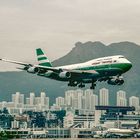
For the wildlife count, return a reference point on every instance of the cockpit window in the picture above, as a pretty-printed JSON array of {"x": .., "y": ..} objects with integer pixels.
[{"x": 121, "y": 57}]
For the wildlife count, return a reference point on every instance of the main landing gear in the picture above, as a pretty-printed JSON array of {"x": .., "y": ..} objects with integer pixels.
[
  {"x": 80, "y": 84},
  {"x": 73, "y": 83},
  {"x": 93, "y": 85}
]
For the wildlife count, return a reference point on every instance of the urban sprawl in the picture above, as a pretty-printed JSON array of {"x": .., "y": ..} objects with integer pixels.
[{"x": 80, "y": 113}]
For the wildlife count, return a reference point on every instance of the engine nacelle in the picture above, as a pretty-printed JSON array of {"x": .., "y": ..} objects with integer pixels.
[
  {"x": 65, "y": 74},
  {"x": 116, "y": 81},
  {"x": 33, "y": 70}
]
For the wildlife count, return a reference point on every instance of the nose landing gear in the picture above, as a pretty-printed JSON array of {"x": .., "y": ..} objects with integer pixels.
[{"x": 73, "y": 83}]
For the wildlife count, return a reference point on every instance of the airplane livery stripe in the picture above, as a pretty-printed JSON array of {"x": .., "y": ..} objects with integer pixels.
[
  {"x": 42, "y": 58},
  {"x": 39, "y": 52},
  {"x": 45, "y": 64},
  {"x": 121, "y": 66}
]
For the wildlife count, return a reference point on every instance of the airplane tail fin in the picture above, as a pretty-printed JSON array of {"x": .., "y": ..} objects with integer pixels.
[{"x": 42, "y": 58}]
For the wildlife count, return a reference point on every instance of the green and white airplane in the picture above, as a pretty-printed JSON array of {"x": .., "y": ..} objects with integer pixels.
[{"x": 108, "y": 69}]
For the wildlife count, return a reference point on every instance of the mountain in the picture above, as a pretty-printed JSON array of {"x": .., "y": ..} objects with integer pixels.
[
  {"x": 21, "y": 81},
  {"x": 25, "y": 83}
]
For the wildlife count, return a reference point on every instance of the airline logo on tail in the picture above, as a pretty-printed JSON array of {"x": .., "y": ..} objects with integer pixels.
[{"x": 42, "y": 59}]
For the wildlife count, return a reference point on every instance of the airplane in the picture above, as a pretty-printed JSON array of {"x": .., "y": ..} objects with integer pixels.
[
  {"x": 122, "y": 133},
  {"x": 108, "y": 69}
]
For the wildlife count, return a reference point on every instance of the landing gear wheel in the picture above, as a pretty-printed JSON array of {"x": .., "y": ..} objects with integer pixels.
[
  {"x": 93, "y": 85},
  {"x": 81, "y": 85}
]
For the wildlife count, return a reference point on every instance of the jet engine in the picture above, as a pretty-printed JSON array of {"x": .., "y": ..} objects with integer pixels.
[
  {"x": 33, "y": 70},
  {"x": 65, "y": 74},
  {"x": 116, "y": 81}
]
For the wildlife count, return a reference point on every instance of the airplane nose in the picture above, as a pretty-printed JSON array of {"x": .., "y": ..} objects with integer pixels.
[
  {"x": 126, "y": 65},
  {"x": 129, "y": 65}
]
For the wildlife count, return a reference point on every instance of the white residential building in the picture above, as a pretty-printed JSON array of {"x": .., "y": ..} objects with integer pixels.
[
  {"x": 79, "y": 94},
  {"x": 94, "y": 101},
  {"x": 121, "y": 98},
  {"x": 104, "y": 97},
  {"x": 60, "y": 101},
  {"x": 18, "y": 99},
  {"x": 88, "y": 93},
  {"x": 134, "y": 101},
  {"x": 42, "y": 98},
  {"x": 32, "y": 98},
  {"x": 68, "y": 97}
]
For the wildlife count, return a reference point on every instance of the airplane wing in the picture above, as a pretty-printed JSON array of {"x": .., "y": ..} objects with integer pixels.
[
  {"x": 54, "y": 69},
  {"x": 16, "y": 62},
  {"x": 27, "y": 65}
]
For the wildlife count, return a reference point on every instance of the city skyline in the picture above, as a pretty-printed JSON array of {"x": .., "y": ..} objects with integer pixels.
[{"x": 74, "y": 99}]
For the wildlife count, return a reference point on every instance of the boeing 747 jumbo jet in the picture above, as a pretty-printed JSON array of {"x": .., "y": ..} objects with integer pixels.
[{"x": 108, "y": 69}]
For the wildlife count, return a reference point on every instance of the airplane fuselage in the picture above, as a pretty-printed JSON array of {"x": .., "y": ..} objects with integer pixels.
[
  {"x": 101, "y": 67},
  {"x": 121, "y": 132}
]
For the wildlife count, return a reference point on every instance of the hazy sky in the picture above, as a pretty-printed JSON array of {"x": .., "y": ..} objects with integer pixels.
[{"x": 56, "y": 25}]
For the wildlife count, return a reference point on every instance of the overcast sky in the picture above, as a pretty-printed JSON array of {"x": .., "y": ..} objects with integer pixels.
[{"x": 56, "y": 25}]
